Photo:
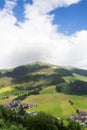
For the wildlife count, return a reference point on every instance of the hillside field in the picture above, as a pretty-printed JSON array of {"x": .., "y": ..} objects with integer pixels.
[{"x": 57, "y": 104}]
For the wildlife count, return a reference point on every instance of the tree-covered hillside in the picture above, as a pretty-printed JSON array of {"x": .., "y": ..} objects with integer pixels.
[{"x": 31, "y": 79}]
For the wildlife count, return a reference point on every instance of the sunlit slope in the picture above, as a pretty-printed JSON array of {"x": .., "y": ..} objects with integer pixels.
[
  {"x": 57, "y": 104},
  {"x": 32, "y": 78}
]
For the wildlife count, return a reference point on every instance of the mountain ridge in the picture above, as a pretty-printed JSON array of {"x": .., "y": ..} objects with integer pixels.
[{"x": 32, "y": 78}]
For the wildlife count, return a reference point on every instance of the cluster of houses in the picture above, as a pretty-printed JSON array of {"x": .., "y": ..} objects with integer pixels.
[
  {"x": 16, "y": 104},
  {"x": 81, "y": 118}
]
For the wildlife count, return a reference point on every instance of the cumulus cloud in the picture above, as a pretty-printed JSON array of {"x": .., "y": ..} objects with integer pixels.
[
  {"x": 48, "y": 5},
  {"x": 37, "y": 39}
]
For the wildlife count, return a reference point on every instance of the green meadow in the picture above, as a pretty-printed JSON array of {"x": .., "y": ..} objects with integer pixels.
[
  {"x": 6, "y": 89},
  {"x": 57, "y": 104}
]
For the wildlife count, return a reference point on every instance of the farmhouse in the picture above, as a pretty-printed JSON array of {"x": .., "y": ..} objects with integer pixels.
[{"x": 81, "y": 118}]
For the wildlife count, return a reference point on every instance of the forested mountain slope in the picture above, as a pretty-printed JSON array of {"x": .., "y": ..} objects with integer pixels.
[{"x": 31, "y": 79}]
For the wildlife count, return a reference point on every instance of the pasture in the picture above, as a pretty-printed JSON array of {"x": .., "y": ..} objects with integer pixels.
[{"x": 57, "y": 104}]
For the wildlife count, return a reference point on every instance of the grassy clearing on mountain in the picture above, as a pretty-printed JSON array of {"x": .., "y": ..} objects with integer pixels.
[
  {"x": 5, "y": 81},
  {"x": 79, "y": 102},
  {"x": 9, "y": 99},
  {"x": 80, "y": 77},
  {"x": 48, "y": 90},
  {"x": 45, "y": 102},
  {"x": 6, "y": 89},
  {"x": 57, "y": 104},
  {"x": 68, "y": 79}
]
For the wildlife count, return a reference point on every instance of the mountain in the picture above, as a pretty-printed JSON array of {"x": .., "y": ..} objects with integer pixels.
[{"x": 33, "y": 78}]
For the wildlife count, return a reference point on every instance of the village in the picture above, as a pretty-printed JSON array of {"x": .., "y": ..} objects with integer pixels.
[
  {"x": 81, "y": 118},
  {"x": 16, "y": 104}
]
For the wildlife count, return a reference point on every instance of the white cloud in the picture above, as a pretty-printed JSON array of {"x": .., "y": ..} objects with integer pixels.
[
  {"x": 46, "y": 6},
  {"x": 37, "y": 39}
]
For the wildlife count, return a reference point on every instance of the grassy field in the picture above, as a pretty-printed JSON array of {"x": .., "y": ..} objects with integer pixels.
[
  {"x": 6, "y": 89},
  {"x": 48, "y": 90},
  {"x": 5, "y": 81},
  {"x": 69, "y": 79},
  {"x": 57, "y": 104},
  {"x": 80, "y": 77},
  {"x": 9, "y": 99}
]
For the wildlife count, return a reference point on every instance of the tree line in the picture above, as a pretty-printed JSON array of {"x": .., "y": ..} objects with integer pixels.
[
  {"x": 41, "y": 121},
  {"x": 76, "y": 88}
]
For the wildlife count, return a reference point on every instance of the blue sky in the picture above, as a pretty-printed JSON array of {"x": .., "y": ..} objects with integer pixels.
[
  {"x": 72, "y": 18},
  {"x": 69, "y": 19},
  {"x": 53, "y": 31}
]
